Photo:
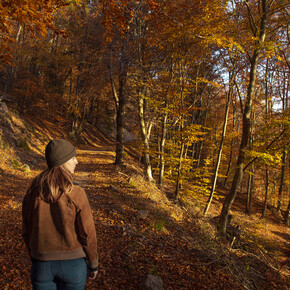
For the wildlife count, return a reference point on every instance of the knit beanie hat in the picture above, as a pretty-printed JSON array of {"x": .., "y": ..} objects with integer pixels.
[{"x": 58, "y": 151}]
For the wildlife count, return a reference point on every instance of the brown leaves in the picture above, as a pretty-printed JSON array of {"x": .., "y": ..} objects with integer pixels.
[
  {"x": 129, "y": 247},
  {"x": 35, "y": 16}
]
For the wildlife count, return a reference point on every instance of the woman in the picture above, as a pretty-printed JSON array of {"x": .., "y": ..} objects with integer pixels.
[{"x": 58, "y": 226}]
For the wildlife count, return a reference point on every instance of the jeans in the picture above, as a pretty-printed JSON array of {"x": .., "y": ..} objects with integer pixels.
[{"x": 60, "y": 274}]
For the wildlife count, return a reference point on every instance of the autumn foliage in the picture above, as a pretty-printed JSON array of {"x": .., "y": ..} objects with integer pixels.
[{"x": 196, "y": 91}]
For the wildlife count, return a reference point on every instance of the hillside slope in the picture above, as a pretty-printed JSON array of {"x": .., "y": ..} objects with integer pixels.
[{"x": 140, "y": 231}]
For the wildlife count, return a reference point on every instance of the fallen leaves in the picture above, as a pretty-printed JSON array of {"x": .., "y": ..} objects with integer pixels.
[{"x": 161, "y": 243}]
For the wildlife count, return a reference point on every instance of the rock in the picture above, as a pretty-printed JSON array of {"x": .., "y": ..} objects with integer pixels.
[
  {"x": 142, "y": 214},
  {"x": 151, "y": 282},
  {"x": 26, "y": 168}
]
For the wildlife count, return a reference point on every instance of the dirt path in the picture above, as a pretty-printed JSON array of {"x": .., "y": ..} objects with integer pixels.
[
  {"x": 131, "y": 247},
  {"x": 164, "y": 243}
]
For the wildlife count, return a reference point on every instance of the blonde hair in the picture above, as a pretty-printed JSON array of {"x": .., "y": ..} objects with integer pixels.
[{"x": 51, "y": 184}]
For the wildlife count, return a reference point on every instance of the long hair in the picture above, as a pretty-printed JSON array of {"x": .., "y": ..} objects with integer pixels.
[{"x": 51, "y": 184}]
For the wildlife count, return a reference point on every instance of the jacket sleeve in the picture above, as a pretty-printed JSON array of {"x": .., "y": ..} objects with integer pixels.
[{"x": 85, "y": 229}]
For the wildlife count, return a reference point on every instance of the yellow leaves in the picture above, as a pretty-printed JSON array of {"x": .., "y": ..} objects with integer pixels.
[
  {"x": 204, "y": 80},
  {"x": 266, "y": 157},
  {"x": 192, "y": 133},
  {"x": 223, "y": 41}
]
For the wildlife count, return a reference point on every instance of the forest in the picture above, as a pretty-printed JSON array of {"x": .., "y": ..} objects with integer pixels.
[{"x": 199, "y": 89}]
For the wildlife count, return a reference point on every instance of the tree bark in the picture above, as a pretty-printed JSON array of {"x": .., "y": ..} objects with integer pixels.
[
  {"x": 266, "y": 192},
  {"x": 162, "y": 145},
  {"x": 282, "y": 181},
  {"x": 232, "y": 145},
  {"x": 179, "y": 170},
  {"x": 220, "y": 150},
  {"x": 267, "y": 122},
  {"x": 145, "y": 138},
  {"x": 121, "y": 112},
  {"x": 287, "y": 216},
  {"x": 246, "y": 124},
  {"x": 250, "y": 191},
  {"x": 251, "y": 174}
]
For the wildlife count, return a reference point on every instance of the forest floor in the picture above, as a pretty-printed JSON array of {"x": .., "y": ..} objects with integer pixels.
[{"x": 140, "y": 231}]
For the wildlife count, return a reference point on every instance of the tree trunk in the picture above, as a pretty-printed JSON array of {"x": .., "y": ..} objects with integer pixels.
[
  {"x": 267, "y": 122},
  {"x": 251, "y": 174},
  {"x": 249, "y": 198},
  {"x": 145, "y": 138},
  {"x": 20, "y": 28},
  {"x": 266, "y": 192},
  {"x": 282, "y": 181},
  {"x": 287, "y": 216},
  {"x": 200, "y": 148},
  {"x": 121, "y": 113},
  {"x": 220, "y": 151},
  {"x": 246, "y": 124},
  {"x": 179, "y": 170},
  {"x": 162, "y": 145},
  {"x": 250, "y": 191},
  {"x": 181, "y": 126},
  {"x": 232, "y": 146}
]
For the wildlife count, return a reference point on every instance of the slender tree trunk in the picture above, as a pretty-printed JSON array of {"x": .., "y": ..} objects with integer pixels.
[
  {"x": 284, "y": 157},
  {"x": 246, "y": 124},
  {"x": 250, "y": 191},
  {"x": 267, "y": 122},
  {"x": 162, "y": 147},
  {"x": 287, "y": 216},
  {"x": 121, "y": 113},
  {"x": 232, "y": 143},
  {"x": 179, "y": 170},
  {"x": 145, "y": 138},
  {"x": 181, "y": 126},
  {"x": 186, "y": 151},
  {"x": 282, "y": 181},
  {"x": 249, "y": 198},
  {"x": 20, "y": 28},
  {"x": 251, "y": 173},
  {"x": 220, "y": 151},
  {"x": 274, "y": 204},
  {"x": 266, "y": 192},
  {"x": 200, "y": 147},
  {"x": 241, "y": 158}
]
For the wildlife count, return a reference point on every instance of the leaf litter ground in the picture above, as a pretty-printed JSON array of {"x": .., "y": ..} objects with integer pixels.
[{"x": 170, "y": 241}]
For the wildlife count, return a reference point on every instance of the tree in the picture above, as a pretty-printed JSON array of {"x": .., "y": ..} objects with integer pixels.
[
  {"x": 259, "y": 32},
  {"x": 229, "y": 94},
  {"x": 33, "y": 15}
]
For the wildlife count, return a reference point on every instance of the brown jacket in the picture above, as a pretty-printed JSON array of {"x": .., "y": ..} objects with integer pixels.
[{"x": 62, "y": 230}]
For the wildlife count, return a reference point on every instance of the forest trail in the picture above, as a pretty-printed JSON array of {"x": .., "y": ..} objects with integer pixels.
[
  {"x": 130, "y": 247},
  {"x": 139, "y": 230}
]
